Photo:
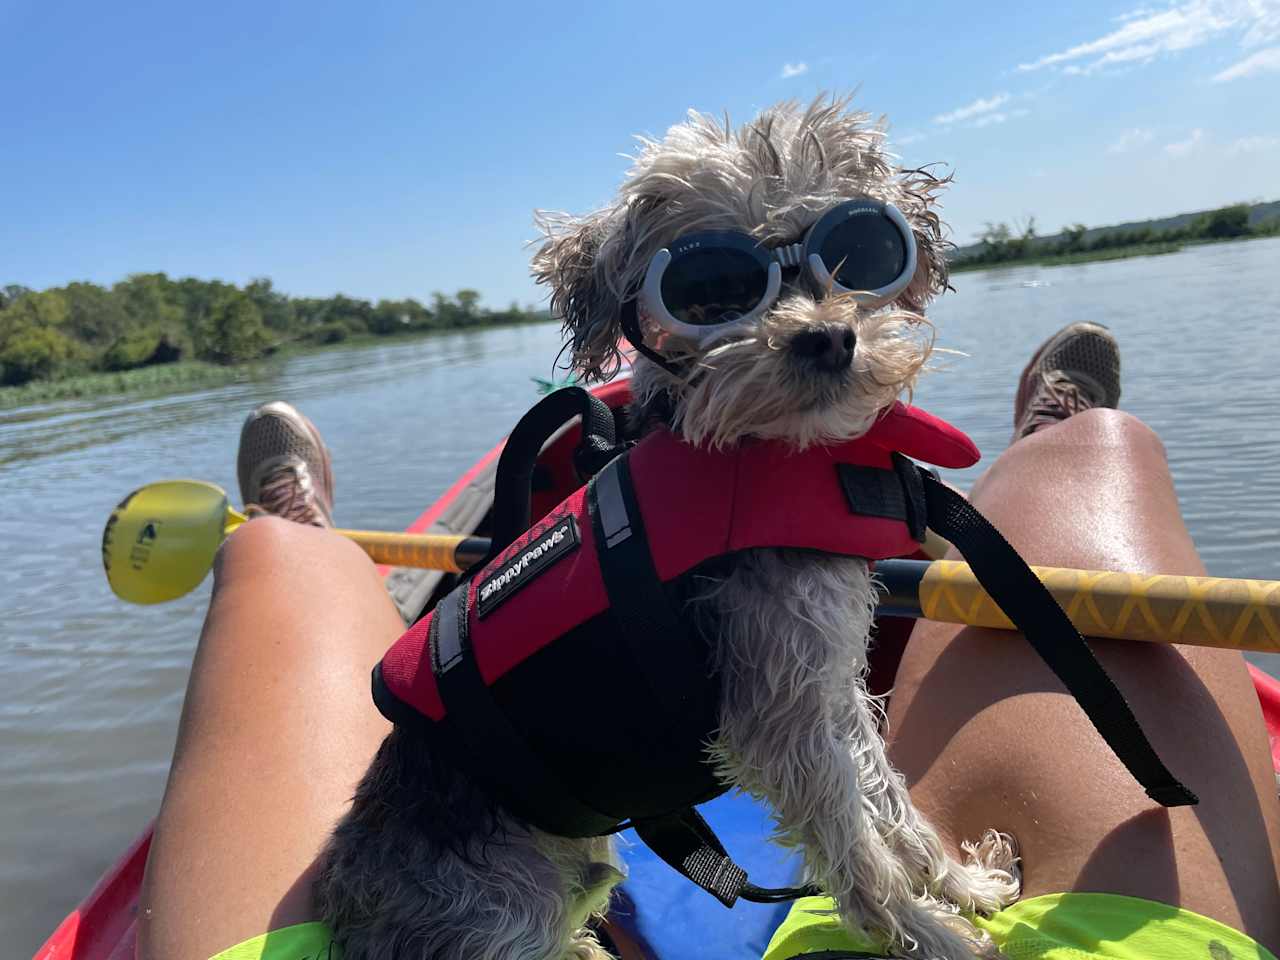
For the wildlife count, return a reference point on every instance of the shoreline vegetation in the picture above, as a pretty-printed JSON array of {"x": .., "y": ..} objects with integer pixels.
[
  {"x": 152, "y": 333},
  {"x": 999, "y": 244}
]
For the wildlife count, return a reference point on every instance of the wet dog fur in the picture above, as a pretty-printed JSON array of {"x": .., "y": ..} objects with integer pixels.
[{"x": 425, "y": 866}]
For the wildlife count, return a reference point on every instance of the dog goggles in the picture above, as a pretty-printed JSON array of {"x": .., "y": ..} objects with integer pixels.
[{"x": 706, "y": 284}]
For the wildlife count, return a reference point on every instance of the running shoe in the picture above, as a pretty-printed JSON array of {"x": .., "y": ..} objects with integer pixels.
[
  {"x": 1076, "y": 369},
  {"x": 284, "y": 467}
]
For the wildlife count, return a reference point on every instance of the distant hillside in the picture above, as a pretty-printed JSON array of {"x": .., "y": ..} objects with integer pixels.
[{"x": 1259, "y": 213}]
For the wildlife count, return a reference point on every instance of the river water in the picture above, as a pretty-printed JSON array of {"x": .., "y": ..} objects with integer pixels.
[{"x": 90, "y": 688}]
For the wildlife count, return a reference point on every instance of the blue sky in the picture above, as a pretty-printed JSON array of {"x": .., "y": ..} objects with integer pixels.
[{"x": 392, "y": 149}]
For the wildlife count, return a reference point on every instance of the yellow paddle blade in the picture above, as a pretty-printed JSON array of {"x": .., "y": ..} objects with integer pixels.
[{"x": 160, "y": 541}]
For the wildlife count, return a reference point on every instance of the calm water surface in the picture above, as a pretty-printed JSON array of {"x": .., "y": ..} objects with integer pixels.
[{"x": 90, "y": 688}]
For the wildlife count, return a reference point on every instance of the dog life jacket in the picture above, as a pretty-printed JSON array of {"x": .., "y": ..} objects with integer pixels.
[{"x": 564, "y": 676}]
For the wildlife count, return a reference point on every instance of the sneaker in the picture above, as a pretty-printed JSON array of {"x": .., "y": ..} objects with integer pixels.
[
  {"x": 1076, "y": 369},
  {"x": 284, "y": 467}
]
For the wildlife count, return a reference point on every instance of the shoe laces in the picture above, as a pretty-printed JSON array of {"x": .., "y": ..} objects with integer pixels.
[
  {"x": 289, "y": 492},
  {"x": 1060, "y": 396}
]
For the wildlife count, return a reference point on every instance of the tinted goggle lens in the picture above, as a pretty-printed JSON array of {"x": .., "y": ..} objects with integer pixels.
[
  {"x": 864, "y": 252},
  {"x": 713, "y": 285}
]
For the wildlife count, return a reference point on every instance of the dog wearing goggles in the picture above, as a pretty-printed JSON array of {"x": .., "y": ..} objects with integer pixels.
[{"x": 772, "y": 280}]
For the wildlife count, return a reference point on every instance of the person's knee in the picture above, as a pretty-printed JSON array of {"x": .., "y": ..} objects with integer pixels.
[
  {"x": 1103, "y": 427},
  {"x": 271, "y": 543}
]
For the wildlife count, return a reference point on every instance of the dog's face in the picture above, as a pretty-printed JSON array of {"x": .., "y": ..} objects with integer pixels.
[{"x": 815, "y": 366}]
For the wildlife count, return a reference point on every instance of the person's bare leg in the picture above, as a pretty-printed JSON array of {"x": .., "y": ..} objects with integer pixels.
[
  {"x": 987, "y": 737},
  {"x": 277, "y": 729}
]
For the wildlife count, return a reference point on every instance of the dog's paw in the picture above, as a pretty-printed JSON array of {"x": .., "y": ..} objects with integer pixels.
[{"x": 992, "y": 877}]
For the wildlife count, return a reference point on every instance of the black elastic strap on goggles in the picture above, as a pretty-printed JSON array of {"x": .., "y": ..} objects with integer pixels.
[{"x": 631, "y": 330}]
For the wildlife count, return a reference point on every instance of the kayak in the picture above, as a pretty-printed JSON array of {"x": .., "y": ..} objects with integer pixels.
[{"x": 657, "y": 910}]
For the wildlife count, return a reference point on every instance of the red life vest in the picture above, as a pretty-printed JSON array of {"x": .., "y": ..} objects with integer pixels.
[
  {"x": 697, "y": 504},
  {"x": 537, "y": 629}
]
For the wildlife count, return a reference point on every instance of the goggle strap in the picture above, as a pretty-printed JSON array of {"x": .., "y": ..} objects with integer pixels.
[
  {"x": 789, "y": 256},
  {"x": 631, "y": 331}
]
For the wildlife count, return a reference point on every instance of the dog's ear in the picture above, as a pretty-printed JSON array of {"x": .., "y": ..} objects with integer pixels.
[
  {"x": 574, "y": 262},
  {"x": 919, "y": 189}
]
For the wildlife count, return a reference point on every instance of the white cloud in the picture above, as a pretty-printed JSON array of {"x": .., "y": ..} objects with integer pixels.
[
  {"x": 991, "y": 119},
  {"x": 977, "y": 108},
  {"x": 1146, "y": 34},
  {"x": 790, "y": 70},
  {"x": 1251, "y": 145},
  {"x": 1199, "y": 142},
  {"x": 1131, "y": 140},
  {"x": 1183, "y": 147},
  {"x": 1264, "y": 61}
]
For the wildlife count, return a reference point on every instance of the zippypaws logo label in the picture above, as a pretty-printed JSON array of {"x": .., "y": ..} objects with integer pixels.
[{"x": 558, "y": 538}]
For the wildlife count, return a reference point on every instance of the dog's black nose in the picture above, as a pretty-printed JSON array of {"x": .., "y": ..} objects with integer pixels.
[{"x": 831, "y": 351}]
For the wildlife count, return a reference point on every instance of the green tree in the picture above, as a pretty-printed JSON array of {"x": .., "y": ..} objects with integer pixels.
[
  {"x": 34, "y": 353},
  {"x": 355, "y": 314},
  {"x": 390, "y": 316},
  {"x": 233, "y": 331},
  {"x": 95, "y": 317},
  {"x": 1230, "y": 221},
  {"x": 46, "y": 311},
  {"x": 1073, "y": 238},
  {"x": 276, "y": 310},
  {"x": 468, "y": 306},
  {"x": 12, "y": 293},
  {"x": 150, "y": 299},
  {"x": 196, "y": 298},
  {"x": 445, "y": 311}
]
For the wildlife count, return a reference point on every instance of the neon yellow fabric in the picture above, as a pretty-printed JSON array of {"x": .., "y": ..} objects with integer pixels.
[
  {"x": 303, "y": 941},
  {"x": 1058, "y": 926}
]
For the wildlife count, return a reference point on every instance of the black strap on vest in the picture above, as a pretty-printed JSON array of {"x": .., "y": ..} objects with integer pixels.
[
  {"x": 657, "y": 638},
  {"x": 514, "y": 484},
  {"x": 486, "y": 731},
  {"x": 687, "y": 844},
  {"x": 1027, "y": 602}
]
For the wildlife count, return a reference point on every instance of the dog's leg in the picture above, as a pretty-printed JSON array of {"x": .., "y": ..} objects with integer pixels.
[
  {"x": 790, "y": 639},
  {"x": 986, "y": 883},
  {"x": 425, "y": 866}
]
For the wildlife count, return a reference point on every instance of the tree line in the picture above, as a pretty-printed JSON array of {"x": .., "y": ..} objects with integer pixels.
[
  {"x": 149, "y": 318},
  {"x": 1000, "y": 243}
]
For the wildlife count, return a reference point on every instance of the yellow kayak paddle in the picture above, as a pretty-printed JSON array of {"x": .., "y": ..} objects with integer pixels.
[{"x": 160, "y": 543}]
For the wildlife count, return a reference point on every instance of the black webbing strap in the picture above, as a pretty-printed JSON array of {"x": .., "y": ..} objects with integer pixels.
[
  {"x": 527, "y": 786},
  {"x": 671, "y": 669},
  {"x": 654, "y": 633},
  {"x": 687, "y": 844},
  {"x": 514, "y": 483},
  {"x": 1027, "y": 602}
]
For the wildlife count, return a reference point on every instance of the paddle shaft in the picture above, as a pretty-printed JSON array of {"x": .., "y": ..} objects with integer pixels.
[
  {"x": 1202, "y": 611},
  {"x": 426, "y": 550}
]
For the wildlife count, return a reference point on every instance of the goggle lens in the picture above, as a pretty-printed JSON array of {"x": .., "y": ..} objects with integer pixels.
[
  {"x": 713, "y": 285},
  {"x": 864, "y": 252}
]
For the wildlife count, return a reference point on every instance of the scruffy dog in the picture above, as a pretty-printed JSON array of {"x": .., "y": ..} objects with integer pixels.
[{"x": 424, "y": 865}]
